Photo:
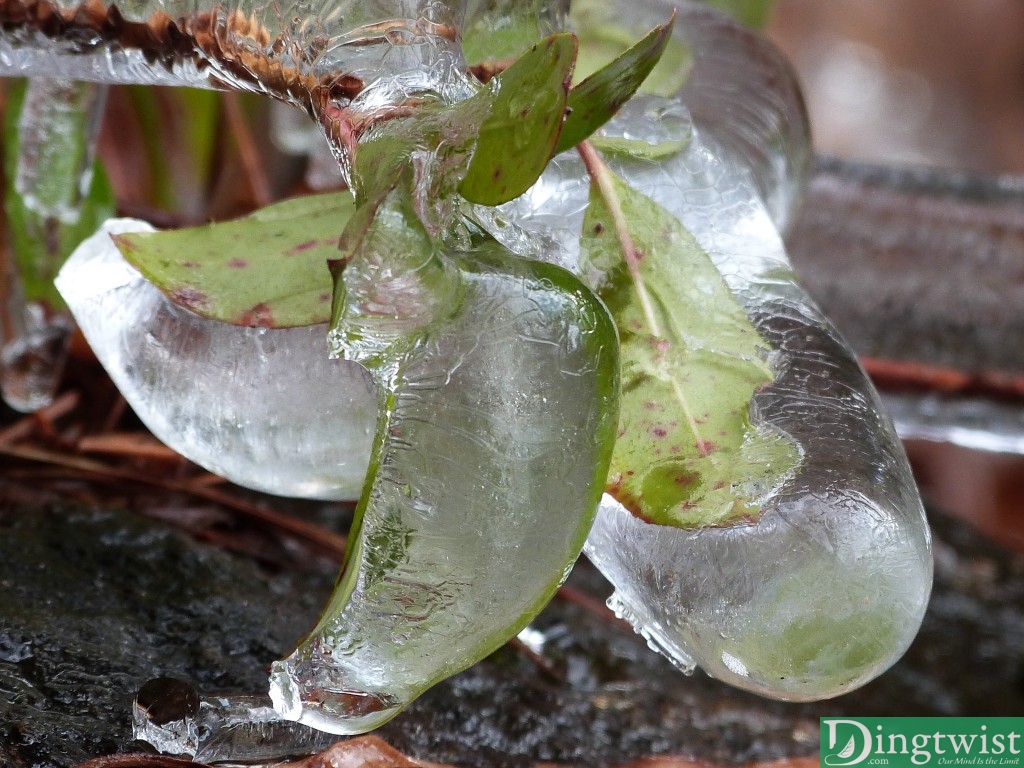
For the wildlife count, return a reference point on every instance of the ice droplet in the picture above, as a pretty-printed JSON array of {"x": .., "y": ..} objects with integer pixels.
[
  {"x": 32, "y": 361},
  {"x": 236, "y": 400},
  {"x": 827, "y": 589}
]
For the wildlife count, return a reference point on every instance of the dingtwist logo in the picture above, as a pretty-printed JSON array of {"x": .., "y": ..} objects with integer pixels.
[
  {"x": 849, "y": 754},
  {"x": 916, "y": 742}
]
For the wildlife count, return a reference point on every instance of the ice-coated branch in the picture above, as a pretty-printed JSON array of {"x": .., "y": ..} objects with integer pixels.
[{"x": 301, "y": 52}]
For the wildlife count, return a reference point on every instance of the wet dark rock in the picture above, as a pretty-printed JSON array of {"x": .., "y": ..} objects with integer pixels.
[{"x": 93, "y": 604}]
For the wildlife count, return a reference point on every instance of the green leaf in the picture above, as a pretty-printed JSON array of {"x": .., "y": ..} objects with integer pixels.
[
  {"x": 504, "y": 30},
  {"x": 687, "y": 454},
  {"x": 637, "y": 149},
  {"x": 595, "y": 101},
  {"x": 519, "y": 135},
  {"x": 603, "y": 36},
  {"x": 267, "y": 269}
]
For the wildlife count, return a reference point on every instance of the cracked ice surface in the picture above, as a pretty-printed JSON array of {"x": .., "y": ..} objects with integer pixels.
[
  {"x": 828, "y": 588},
  {"x": 235, "y": 400}
]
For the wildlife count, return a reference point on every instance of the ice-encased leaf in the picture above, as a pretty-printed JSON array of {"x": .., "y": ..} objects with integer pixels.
[
  {"x": 827, "y": 589},
  {"x": 497, "y": 423},
  {"x": 268, "y": 269},
  {"x": 519, "y": 135},
  {"x": 264, "y": 407},
  {"x": 390, "y": 280},
  {"x": 603, "y": 36},
  {"x": 687, "y": 454},
  {"x": 636, "y": 148},
  {"x": 504, "y": 29},
  {"x": 594, "y": 101}
]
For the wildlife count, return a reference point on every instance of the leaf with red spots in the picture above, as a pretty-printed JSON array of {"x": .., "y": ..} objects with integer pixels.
[
  {"x": 519, "y": 135},
  {"x": 267, "y": 269},
  {"x": 688, "y": 454}
]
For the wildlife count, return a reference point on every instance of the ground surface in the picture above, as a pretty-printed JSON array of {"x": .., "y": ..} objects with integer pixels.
[{"x": 95, "y": 601}]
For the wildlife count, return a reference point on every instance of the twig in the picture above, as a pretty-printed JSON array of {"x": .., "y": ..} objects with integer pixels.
[
  {"x": 542, "y": 663},
  {"x": 255, "y": 171},
  {"x": 140, "y": 445},
  {"x": 30, "y": 424},
  {"x": 909, "y": 374},
  {"x": 331, "y": 543},
  {"x": 116, "y": 412},
  {"x": 140, "y": 760}
]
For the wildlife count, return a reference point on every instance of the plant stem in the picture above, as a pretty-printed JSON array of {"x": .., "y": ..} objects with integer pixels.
[{"x": 601, "y": 175}]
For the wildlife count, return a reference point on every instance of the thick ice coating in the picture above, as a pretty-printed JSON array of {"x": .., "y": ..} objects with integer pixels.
[
  {"x": 237, "y": 401},
  {"x": 489, "y": 463},
  {"x": 297, "y": 51},
  {"x": 828, "y": 589}
]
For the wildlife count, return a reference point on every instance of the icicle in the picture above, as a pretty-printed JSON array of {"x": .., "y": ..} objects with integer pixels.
[{"x": 51, "y": 202}]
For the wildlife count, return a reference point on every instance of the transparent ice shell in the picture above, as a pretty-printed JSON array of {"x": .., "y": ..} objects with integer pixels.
[
  {"x": 33, "y": 351},
  {"x": 829, "y": 587},
  {"x": 491, "y": 456},
  {"x": 262, "y": 407},
  {"x": 742, "y": 93},
  {"x": 744, "y": 97}
]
